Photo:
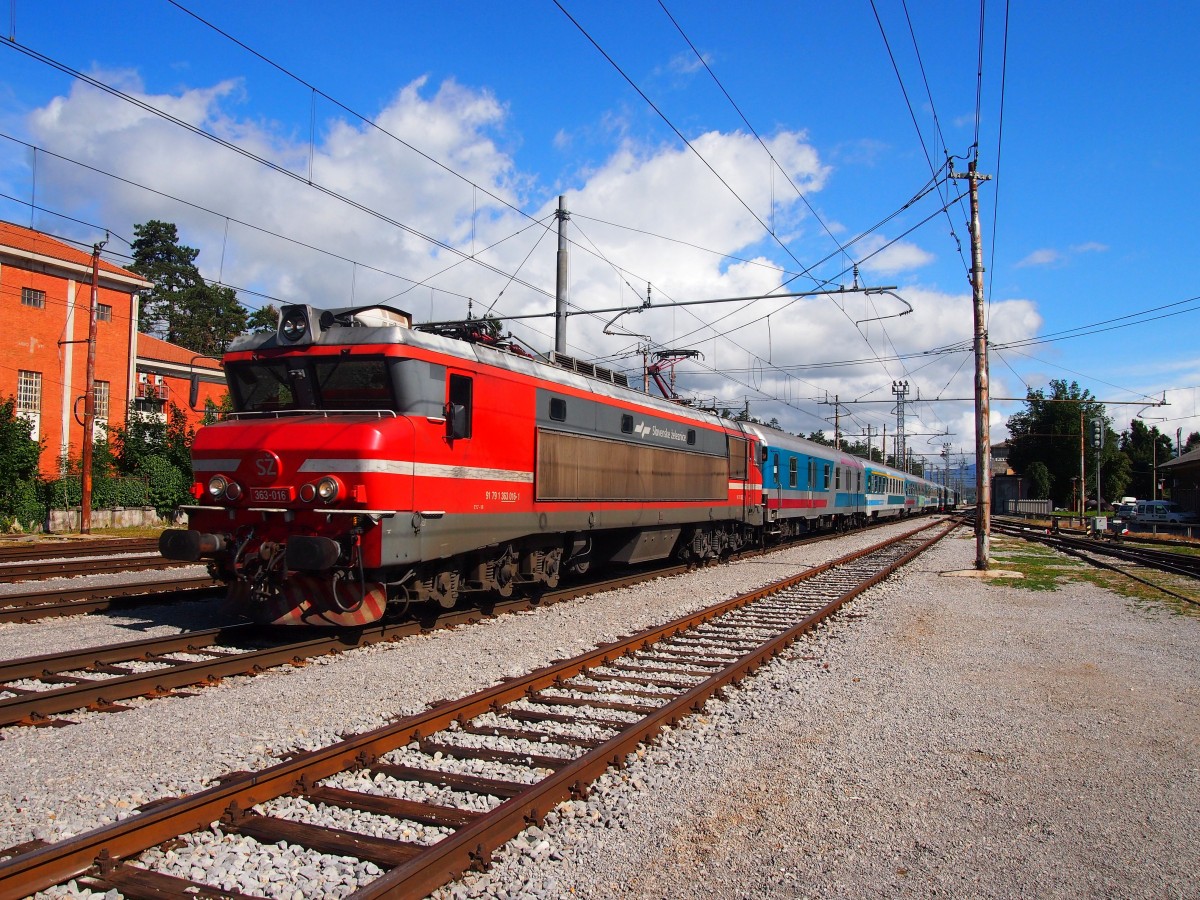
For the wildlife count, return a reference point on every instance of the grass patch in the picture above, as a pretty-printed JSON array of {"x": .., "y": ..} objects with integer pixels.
[{"x": 1046, "y": 570}]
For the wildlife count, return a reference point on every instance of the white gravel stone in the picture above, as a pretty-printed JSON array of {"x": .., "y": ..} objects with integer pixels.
[{"x": 946, "y": 738}]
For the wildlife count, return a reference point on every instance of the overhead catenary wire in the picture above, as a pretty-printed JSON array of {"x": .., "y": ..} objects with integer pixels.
[
  {"x": 259, "y": 159},
  {"x": 263, "y": 161}
]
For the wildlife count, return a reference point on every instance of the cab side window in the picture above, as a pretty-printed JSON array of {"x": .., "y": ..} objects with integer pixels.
[{"x": 458, "y": 407}]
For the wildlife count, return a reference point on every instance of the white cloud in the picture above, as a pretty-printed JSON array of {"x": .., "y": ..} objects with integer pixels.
[
  {"x": 1044, "y": 257},
  {"x": 1048, "y": 256},
  {"x": 786, "y": 351},
  {"x": 901, "y": 256}
]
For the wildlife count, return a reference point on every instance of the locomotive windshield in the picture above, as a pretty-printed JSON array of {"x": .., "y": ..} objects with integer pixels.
[{"x": 324, "y": 382}]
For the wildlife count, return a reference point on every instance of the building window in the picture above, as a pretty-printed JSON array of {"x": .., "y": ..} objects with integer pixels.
[
  {"x": 32, "y": 297},
  {"x": 102, "y": 393},
  {"x": 29, "y": 400},
  {"x": 103, "y": 312}
]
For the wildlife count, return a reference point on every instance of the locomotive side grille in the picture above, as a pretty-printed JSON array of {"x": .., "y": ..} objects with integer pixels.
[
  {"x": 574, "y": 467},
  {"x": 572, "y": 364}
]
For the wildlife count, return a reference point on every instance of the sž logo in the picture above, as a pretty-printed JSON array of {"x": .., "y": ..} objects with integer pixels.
[{"x": 266, "y": 465}]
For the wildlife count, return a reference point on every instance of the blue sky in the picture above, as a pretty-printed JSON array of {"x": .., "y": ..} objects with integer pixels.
[{"x": 1089, "y": 218}]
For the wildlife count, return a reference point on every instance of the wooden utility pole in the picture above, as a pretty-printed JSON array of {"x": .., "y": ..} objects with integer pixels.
[
  {"x": 983, "y": 441},
  {"x": 89, "y": 400}
]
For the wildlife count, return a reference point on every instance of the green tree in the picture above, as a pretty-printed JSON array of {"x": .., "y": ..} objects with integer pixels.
[
  {"x": 1048, "y": 431},
  {"x": 859, "y": 448},
  {"x": 21, "y": 487},
  {"x": 159, "y": 452},
  {"x": 1040, "y": 480},
  {"x": 263, "y": 319},
  {"x": 1193, "y": 441},
  {"x": 208, "y": 318},
  {"x": 181, "y": 307},
  {"x": 818, "y": 437},
  {"x": 1144, "y": 446},
  {"x": 160, "y": 258}
]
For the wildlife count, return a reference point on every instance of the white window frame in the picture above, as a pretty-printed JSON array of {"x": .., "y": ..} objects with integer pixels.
[{"x": 29, "y": 400}]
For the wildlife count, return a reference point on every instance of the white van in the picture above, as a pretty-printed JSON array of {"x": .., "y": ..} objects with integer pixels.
[{"x": 1161, "y": 512}]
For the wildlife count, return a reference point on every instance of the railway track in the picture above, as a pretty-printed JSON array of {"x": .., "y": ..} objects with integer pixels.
[
  {"x": 28, "y": 606},
  {"x": 97, "y": 678},
  {"x": 43, "y": 687},
  {"x": 466, "y": 775},
  {"x": 20, "y": 551},
  {"x": 1090, "y": 550},
  {"x": 14, "y": 572}
]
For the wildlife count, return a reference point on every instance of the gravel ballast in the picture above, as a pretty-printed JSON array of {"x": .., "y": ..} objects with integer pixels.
[{"x": 946, "y": 737}]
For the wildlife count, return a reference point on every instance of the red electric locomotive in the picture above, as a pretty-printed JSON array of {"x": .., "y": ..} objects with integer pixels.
[{"x": 369, "y": 463}]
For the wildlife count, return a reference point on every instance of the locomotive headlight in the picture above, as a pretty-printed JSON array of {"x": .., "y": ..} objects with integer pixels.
[
  {"x": 328, "y": 489},
  {"x": 217, "y": 485},
  {"x": 293, "y": 325},
  {"x": 308, "y": 492},
  {"x": 233, "y": 490}
]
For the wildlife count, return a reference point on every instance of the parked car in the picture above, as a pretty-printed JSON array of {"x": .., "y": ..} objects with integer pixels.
[
  {"x": 1126, "y": 510},
  {"x": 1162, "y": 512}
]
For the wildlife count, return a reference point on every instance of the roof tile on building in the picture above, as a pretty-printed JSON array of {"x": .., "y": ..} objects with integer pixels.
[
  {"x": 20, "y": 238},
  {"x": 150, "y": 347},
  {"x": 1190, "y": 458}
]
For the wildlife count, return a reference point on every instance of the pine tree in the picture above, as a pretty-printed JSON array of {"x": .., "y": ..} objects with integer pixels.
[{"x": 181, "y": 307}]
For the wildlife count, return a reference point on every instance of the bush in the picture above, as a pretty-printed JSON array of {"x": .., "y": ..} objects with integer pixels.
[
  {"x": 23, "y": 504},
  {"x": 108, "y": 492},
  {"x": 167, "y": 487}
]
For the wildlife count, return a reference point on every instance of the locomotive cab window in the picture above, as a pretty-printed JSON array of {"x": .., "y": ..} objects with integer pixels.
[
  {"x": 458, "y": 407},
  {"x": 324, "y": 382},
  {"x": 691, "y": 437},
  {"x": 626, "y": 424},
  {"x": 558, "y": 409}
]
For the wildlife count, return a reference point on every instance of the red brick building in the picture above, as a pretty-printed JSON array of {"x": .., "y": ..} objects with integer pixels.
[
  {"x": 45, "y": 296},
  {"x": 164, "y": 377}
]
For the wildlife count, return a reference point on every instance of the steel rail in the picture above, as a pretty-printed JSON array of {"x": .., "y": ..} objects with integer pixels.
[
  {"x": 44, "y": 549},
  {"x": 37, "y": 706},
  {"x": 1084, "y": 550},
  {"x": 107, "y": 846},
  {"x": 15, "y": 572},
  {"x": 27, "y": 607}
]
